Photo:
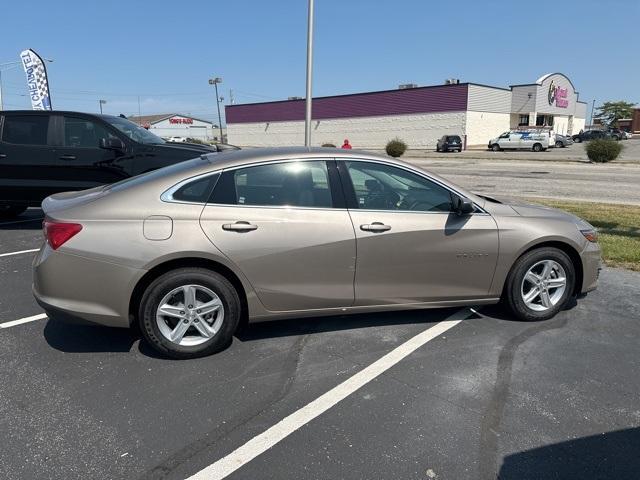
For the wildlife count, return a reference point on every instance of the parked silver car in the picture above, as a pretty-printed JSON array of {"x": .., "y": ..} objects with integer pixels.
[
  {"x": 563, "y": 141},
  {"x": 188, "y": 251}
]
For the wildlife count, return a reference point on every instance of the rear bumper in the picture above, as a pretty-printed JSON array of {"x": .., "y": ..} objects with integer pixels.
[{"x": 84, "y": 290}]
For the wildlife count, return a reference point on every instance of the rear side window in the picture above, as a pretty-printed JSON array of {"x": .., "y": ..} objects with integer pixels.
[
  {"x": 82, "y": 133},
  {"x": 25, "y": 129},
  {"x": 197, "y": 191},
  {"x": 295, "y": 184}
]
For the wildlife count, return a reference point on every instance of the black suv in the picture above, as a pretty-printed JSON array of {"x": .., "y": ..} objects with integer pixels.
[
  {"x": 449, "y": 143},
  {"x": 590, "y": 135},
  {"x": 45, "y": 152}
]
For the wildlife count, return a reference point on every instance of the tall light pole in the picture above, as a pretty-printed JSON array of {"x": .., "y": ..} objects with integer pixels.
[
  {"x": 593, "y": 105},
  {"x": 101, "y": 102},
  {"x": 215, "y": 81},
  {"x": 307, "y": 118}
]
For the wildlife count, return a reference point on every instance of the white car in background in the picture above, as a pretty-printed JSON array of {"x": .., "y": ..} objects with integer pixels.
[
  {"x": 517, "y": 140},
  {"x": 177, "y": 139},
  {"x": 628, "y": 135}
]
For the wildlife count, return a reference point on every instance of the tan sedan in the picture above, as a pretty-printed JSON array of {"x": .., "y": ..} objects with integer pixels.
[{"x": 190, "y": 250}]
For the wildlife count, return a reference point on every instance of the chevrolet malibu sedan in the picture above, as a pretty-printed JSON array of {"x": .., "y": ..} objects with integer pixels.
[{"x": 190, "y": 251}]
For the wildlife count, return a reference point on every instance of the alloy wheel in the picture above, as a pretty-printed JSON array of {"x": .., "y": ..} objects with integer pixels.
[
  {"x": 190, "y": 315},
  {"x": 543, "y": 285}
]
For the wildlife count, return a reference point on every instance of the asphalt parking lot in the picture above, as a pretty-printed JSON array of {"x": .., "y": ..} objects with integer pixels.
[{"x": 489, "y": 397}]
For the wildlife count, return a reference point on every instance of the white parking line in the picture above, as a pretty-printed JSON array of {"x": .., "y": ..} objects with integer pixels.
[
  {"x": 19, "y": 252},
  {"x": 263, "y": 442},
  {"x": 20, "y": 321}
]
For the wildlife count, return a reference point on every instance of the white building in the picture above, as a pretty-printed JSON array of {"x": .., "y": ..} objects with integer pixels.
[
  {"x": 176, "y": 125},
  {"x": 419, "y": 116}
]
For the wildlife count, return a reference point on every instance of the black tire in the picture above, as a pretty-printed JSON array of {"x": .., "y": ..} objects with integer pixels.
[
  {"x": 513, "y": 289},
  {"x": 577, "y": 140},
  {"x": 164, "y": 284},
  {"x": 11, "y": 211},
  {"x": 559, "y": 145},
  {"x": 537, "y": 147},
  {"x": 437, "y": 148},
  {"x": 615, "y": 137},
  {"x": 495, "y": 147}
]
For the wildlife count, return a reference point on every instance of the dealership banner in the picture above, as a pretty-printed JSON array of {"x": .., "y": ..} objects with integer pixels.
[{"x": 37, "y": 81}]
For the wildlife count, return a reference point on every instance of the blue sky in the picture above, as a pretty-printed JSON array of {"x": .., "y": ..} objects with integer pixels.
[{"x": 164, "y": 51}]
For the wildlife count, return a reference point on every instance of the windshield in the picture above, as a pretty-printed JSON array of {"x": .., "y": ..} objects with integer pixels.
[{"x": 133, "y": 131}]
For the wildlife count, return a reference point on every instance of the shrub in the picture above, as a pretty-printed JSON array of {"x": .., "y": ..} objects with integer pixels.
[
  {"x": 329, "y": 145},
  {"x": 603, "y": 150},
  {"x": 195, "y": 140},
  {"x": 396, "y": 148}
]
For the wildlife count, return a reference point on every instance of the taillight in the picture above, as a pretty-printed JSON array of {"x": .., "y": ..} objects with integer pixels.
[{"x": 58, "y": 233}]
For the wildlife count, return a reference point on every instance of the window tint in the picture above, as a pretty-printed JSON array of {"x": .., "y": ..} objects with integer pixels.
[
  {"x": 197, "y": 191},
  {"x": 383, "y": 187},
  {"x": 82, "y": 133},
  {"x": 25, "y": 129},
  {"x": 453, "y": 138},
  {"x": 296, "y": 184}
]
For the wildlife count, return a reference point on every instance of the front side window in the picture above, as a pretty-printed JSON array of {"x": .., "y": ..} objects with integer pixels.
[
  {"x": 383, "y": 187},
  {"x": 25, "y": 129},
  {"x": 294, "y": 184},
  {"x": 82, "y": 133}
]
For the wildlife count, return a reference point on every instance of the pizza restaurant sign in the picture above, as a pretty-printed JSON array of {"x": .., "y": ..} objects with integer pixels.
[
  {"x": 180, "y": 120},
  {"x": 558, "y": 96}
]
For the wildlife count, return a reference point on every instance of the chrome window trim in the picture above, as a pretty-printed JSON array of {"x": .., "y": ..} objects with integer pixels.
[{"x": 167, "y": 195}]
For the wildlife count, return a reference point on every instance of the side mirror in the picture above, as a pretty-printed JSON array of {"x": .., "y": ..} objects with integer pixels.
[
  {"x": 112, "y": 144},
  {"x": 462, "y": 206}
]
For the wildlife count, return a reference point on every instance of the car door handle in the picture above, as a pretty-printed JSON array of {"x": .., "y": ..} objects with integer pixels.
[
  {"x": 67, "y": 157},
  {"x": 375, "y": 227},
  {"x": 239, "y": 227}
]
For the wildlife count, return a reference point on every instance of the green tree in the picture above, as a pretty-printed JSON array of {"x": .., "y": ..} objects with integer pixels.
[{"x": 610, "y": 112}]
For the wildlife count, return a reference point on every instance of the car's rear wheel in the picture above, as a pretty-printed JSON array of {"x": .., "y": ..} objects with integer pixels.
[
  {"x": 189, "y": 312},
  {"x": 537, "y": 147},
  {"x": 559, "y": 145},
  {"x": 495, "y": 147},
  {"x": 11, "y": 211},
  {"x": 540, "y": 284}
]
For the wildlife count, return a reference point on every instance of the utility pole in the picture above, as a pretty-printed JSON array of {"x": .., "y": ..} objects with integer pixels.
[
  {"x": 101, "y": 102},
  {"x": 215, "y": 81},
  {"x": 307, "y": 118},
  {"x": 593, "y": 105}
]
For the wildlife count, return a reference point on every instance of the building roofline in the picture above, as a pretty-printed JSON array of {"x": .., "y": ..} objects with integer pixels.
[
  {"x": 487, "y": 86},
  {"x": 352, "y": 94}
]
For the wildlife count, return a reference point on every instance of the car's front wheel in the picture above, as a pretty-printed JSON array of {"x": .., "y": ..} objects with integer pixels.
[
  {"x": 189, "y": 312},
  {"x": 495, "y": 147},
  {"x": 540, "y": 284}
]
